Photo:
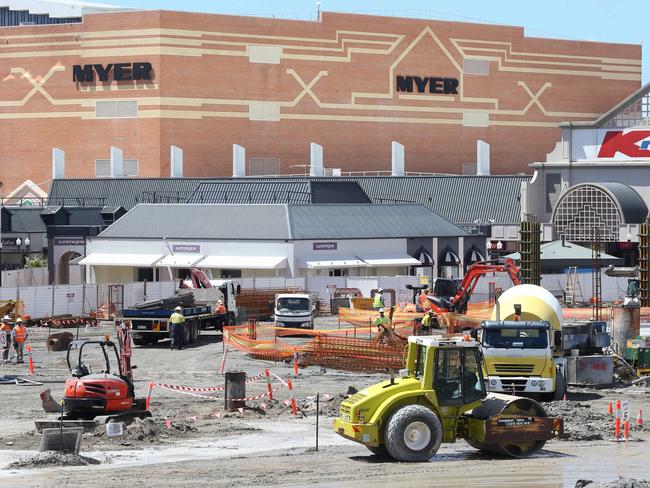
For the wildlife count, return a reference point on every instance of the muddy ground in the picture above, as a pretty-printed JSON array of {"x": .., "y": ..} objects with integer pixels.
[{"x": 193, "y": 441}]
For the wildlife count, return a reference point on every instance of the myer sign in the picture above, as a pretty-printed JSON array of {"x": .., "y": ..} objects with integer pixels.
[
  {"x": 430, "y": 84},
  {"x": 118, "y": 72}
]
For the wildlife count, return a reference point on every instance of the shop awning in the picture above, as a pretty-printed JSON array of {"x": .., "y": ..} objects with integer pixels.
[
  {"x": 337, "y": 262},
  {"x": 448, "y": 257},
  {"x": 117, "y": 259},
  {"x": 475, "y": 255},
  {"x": 180, "y": 260},
  {"x": 243, "y": 262},
  {"x": 390, "y": 260}
]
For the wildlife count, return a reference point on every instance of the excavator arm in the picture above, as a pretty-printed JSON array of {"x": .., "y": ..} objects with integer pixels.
[{"x": 458, "y": 302}]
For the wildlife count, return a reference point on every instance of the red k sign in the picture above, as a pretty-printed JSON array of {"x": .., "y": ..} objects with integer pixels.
[{"x": 632, "y": 144}]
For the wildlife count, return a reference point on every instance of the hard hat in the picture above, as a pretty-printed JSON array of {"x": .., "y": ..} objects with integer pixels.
[
  {"x": 381, "y": 310},
  {"x": 6, "y": 317},
  {"x": 380, "y": 290},
  {"x": 179, "y": 309},
  {"x": 219, "y": 301},
  {"x": 19, "y": 320},
  {"x": 431, "y": 312}
]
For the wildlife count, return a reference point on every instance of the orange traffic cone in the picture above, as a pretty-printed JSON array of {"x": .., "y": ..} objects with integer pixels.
[
  {"x": 610, "y": 410},
  {"x": 639, "y": 418}
]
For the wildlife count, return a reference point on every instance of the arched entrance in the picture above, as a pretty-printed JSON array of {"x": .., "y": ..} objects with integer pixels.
[{"x": 63, "y": 267}]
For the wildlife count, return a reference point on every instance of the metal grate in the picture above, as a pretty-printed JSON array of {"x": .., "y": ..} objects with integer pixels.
[
  {"x": 103, "y": 167},
  {"x": 635, "y": 115},
  {"x": 263, "y": 166},
  {"x": 67, "y": 439},
  {"x": 583, "y": 208},
  {"x": 112, "y": 109}
]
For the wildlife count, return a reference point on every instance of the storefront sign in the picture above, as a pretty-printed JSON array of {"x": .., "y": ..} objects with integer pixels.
[
  {"x": 69, "y": 241},
  {"x": 190, "y": 248},
  {"x": 442, "y": 86},
  {"x": 618, "y": 144},
  {"x": 118, "y": 72},
  {"x": 325, "y": 246}
]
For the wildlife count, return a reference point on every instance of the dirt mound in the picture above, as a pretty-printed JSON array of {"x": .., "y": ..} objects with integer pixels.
[
  {"x": 267, "y": 408},
  {"x": 619, "y": 483},
  {"x": 52, "y": 459},
  {"x": 329, "y": 406},
  {"x": 582, "y": 423},
  {"x": 151, "y": 429}
]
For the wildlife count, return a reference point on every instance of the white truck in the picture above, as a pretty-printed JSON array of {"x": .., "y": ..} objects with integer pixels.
[{"x": 294, "y": 310}]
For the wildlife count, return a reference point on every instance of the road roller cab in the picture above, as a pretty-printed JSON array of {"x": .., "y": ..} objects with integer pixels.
[{"x": 439, "y": 397}]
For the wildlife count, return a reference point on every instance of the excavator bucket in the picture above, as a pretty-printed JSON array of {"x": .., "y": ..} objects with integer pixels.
[{"x": 49, "y": 403}]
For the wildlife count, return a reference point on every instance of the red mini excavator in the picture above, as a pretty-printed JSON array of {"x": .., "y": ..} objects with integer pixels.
[
  {"x": 103, "y": 393},
  {"x": 458, "y": 302}
]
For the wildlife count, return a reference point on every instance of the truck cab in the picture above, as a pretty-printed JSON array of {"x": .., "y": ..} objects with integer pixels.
[
  {"x": 519, "y": 357},
  {"x": 294, "y": 310}
]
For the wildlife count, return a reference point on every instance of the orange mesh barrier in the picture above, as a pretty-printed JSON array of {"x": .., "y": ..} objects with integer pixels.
[{"x": 360, "y": 355}]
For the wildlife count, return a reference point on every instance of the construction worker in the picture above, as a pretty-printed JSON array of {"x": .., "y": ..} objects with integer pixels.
[
  {"x": 423, "y": 300},
  {"x": 19, "y": 336},
  {"x": 378, "y": 302},
  {"x": 382, "y": 320},
  {"x": 5, "y": 337},
  {"x": 429, "y": 322},
  {"x": 178, "y": 333},
  {"x": 220, "y": 310}
]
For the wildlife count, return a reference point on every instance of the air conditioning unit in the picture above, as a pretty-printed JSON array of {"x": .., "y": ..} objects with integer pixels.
[{"x": 332, "y": 171}]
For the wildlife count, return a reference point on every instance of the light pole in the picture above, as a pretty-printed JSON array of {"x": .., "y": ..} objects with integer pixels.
[{"x": 25, "y": 251}]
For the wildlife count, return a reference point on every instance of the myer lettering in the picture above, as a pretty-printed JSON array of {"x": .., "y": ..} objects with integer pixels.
[
  {"x": 186, "y": 248},
  {"x": 118, "y": 71},
  {"x": 442, "y": 86},
  {"x": 324, "y": 246}
]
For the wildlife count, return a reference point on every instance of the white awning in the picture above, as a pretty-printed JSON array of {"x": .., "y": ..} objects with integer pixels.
[
  {"x": 336, "y": 262},
  {"x": 391, "y": 260},
  {"x": 116, "y": 259},
  {"x": 243, "y": 262},
  {"x": 180, "y": 260}
]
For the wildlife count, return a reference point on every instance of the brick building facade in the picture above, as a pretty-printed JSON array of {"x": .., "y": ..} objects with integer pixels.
[{"x": 351, "y": 83}]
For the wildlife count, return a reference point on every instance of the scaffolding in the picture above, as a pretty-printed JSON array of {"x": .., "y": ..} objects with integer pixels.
[
  {"x": 644, "y": 264},
  {"x": 529, "y": 250}
]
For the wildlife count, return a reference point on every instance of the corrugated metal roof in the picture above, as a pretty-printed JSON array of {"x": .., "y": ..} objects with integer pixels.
[
  {"x": 251, "y": 191},
  {"x": 459, "y": 199},
  {"x": 192, "y": 221},
  {"x": 558, "y": 250},
  {"x": 280, "y": 222},
  {"x": 367, "y": 221}
]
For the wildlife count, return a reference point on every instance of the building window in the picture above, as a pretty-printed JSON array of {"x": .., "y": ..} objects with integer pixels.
[
  {"x": 635, "y": 115},
  {"x": 476, "y": 67},
  {"x": 145, "y": 274},
  {"x": 584, "y": 208},
  {"x": 338, "y": 272},
  {"x": 116, "y": 109},
  {"x": 103, "y": 168},
  {"x": 263, "y": 166}
]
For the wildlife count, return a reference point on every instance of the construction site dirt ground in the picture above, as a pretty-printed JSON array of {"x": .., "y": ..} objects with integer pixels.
[{"x": 192, "y": 441}]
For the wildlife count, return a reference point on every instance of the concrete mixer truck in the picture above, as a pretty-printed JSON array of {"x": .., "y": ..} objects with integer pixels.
[
  {"x": 520, "y": 343},
  {"x": 529, "y": 351}
]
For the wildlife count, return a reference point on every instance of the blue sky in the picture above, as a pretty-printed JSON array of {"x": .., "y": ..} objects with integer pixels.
[{"x": 596, "y": 20}]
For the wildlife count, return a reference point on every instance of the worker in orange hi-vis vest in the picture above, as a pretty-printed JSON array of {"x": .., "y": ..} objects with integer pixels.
[
  {"x": 19, "y": 336},
  {"x": 5, "y": 337},
  {"x": 423, "y": 300}
]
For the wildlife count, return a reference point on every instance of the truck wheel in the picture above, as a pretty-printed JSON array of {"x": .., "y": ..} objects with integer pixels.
[
  {"x": 413, "y": 434},
  {"x": 379, "y": 451},
  {"x": 138, "y": 341},
  {"x": 187, "y": 330},
  {"x": 560, "y": 387}
]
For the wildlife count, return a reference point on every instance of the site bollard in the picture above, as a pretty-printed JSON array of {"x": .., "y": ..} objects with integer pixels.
[
  {"x": 295, "y": 362},
  {"x": 147, "y": 401},
  {"x": 294, "y": 409},
  {"x": 610, "y": 409},
  {"x": 626, "y": 429},
  {"x": 617, "y": 428},
  {"x": 268, "y": 383},
  {"x": 223, "y": 361},
  {"x": 31, "y": 361}
]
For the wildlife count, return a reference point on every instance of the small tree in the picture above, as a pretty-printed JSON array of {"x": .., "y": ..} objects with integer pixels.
[{"x": 36, "y": 262}]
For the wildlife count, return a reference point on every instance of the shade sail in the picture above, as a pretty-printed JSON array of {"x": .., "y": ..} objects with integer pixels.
[
  {"x": 243, "y": 262},
  {"x": 120, "y": 259},
  {"x": 391, "y": 260},
  {"x": 180, "y": 260}
]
